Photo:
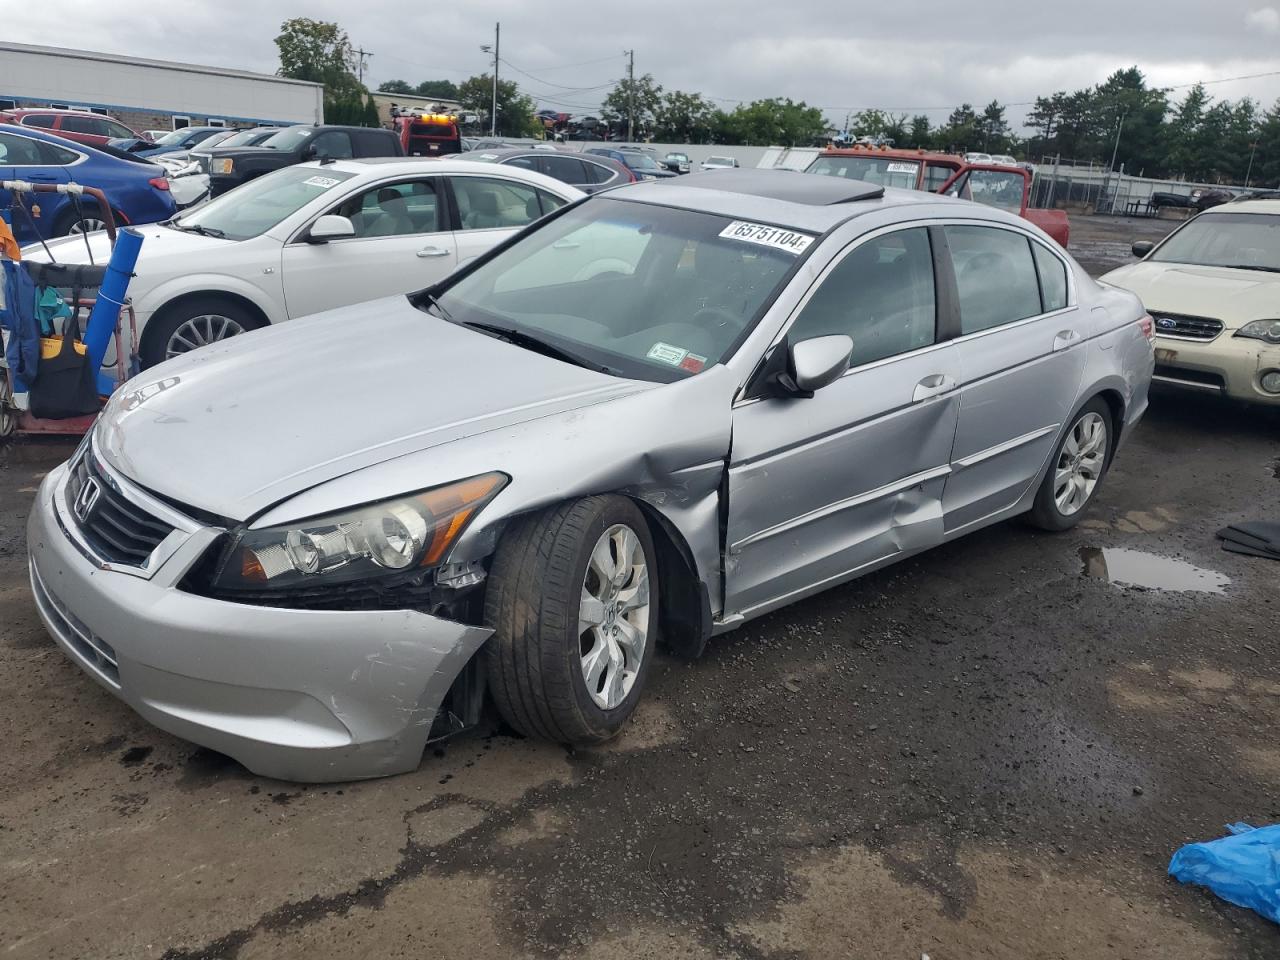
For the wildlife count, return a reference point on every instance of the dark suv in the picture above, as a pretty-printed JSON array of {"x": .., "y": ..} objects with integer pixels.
[{"x": 231, "y": 166}]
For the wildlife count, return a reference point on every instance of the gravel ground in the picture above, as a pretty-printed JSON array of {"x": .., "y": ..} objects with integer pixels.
[{"x": 988, "y": 751}]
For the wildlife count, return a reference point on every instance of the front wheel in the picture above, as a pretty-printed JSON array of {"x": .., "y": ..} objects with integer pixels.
[
  {"x": 191, "y": 324},
  {"x": 573, "y": 601},
  {"x": 1076, "y": 470}
]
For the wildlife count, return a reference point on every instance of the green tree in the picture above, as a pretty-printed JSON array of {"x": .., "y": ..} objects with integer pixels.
[
  {"x": 684, "y": 118},
  {"x": 395, "y": 86},
  {"x": 1266, "y": 157},
  {"x": 444, "y": 89},
  {"x": 994, "y": 129},
  {"x": 919, "y": 134},
  {"x": 1125, "y": 94},
  {"x": 371, "y": 118},
  {"x": 1184, "y": 134},
  {"x": 515, "y": 110},
  {"x": 318, "y": 51},
  {"x": 780, "y": 122},
  {"x": 961, "y": 130},
  {"x": 643, "y": 95}
]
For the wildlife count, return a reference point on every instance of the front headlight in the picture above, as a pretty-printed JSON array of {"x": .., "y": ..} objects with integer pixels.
[
  {"x": 1268, "y": 330},
  {"x": 394, "y": 536},
  {"x": 221, "y": 166}
]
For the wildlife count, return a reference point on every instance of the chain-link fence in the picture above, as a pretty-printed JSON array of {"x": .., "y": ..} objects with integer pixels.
[{"x": 1064, "y": 182}]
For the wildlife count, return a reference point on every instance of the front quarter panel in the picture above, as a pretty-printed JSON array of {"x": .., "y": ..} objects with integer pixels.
[{"x": 665, "y": 445}]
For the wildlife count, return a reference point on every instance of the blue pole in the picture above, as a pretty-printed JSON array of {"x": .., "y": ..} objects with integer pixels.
[{"x": 111, "y": 296}]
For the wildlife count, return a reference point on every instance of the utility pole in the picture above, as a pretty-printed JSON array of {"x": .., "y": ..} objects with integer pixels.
[
  {"x": 361, "y": 52},
  {"x": 1249, "y": 171},
  {"x": 631, "y": 96},
  {"x": 493, "y": 112}
]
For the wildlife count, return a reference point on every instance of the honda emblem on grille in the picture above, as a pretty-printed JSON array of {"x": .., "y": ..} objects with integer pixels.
[{"x": 87, "y": 499}]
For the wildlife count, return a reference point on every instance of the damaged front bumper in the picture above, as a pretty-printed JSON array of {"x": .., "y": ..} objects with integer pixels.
[{"x": 300, "y": 695}]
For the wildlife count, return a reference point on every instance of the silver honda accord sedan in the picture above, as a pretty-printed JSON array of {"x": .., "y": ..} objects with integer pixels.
[{"x": 657, "y": 413}]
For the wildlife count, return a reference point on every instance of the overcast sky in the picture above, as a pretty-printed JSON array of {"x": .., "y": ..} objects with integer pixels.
[{"x": 904, "y": 55}]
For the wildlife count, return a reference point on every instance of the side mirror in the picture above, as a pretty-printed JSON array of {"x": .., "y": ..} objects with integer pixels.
[
  {"x": 311, "y": 153},
  {"x": 1141, "y": 248},
  {"x": 815, "y": 363},
  {"x": 330, "y": 227}
]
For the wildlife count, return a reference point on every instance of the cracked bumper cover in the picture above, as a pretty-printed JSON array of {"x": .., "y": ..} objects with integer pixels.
[{"x": 295, "y": 694}]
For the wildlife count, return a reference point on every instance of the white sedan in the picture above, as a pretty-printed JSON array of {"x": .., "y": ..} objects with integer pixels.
[{"x": 313, "y": 237}]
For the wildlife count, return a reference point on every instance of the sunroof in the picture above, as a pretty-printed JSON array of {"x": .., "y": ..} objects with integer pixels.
[{"x": 788, "y": 185}]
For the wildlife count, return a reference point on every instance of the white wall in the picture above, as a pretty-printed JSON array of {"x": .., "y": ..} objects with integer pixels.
[
  {"x": 82, "y": 78},
  {"x": 796, "y": 158}
]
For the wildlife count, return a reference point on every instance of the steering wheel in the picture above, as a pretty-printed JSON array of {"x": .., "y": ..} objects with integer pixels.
[{"x": 724, "y": 318}]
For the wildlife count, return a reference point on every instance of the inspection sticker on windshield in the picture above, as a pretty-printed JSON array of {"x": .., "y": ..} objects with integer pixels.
[
  {"x": 767, "y": 236},
  {"x": 325, "y": 182},
  {"x": 901, "y": 168},
  {"x": 666, "y": 353}
]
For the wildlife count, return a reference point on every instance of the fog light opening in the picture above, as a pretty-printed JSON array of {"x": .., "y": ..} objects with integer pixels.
[{"x": 1270, "y": 381}]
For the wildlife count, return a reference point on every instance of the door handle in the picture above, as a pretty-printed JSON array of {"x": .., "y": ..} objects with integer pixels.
[
  {"x": 43, "y": 177},
  {"x": 933, "y": 386},
  {"x": 1064, "y": 339},
  {"x": 433, "y": 252},
  {"x": 566, "y": 245}
]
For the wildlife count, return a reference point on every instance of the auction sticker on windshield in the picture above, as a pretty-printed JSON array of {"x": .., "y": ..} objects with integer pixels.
[
  {"x": 325, "y": 182},
  {"x": 767, "y": 236}
]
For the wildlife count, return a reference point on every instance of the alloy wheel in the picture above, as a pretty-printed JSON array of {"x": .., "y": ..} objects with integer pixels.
[
  {"x": 8, "y": 415},
  {"x": 88, "y": 225},
  {"x": 613, "y": 616},
  {"x": 200, "y": 332},
  {"x": 1080, "y": 464}
]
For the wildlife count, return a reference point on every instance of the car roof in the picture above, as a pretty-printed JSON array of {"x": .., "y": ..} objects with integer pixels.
[
  {"x": 1247, "y": 206},
  {"x": 433, "y": 165},
  {"x": 786, "y": 197},
  {"x": 75, "y": 113}
]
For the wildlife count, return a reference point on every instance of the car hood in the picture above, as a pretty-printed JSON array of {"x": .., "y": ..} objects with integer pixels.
[
  {"x": 237, "y": 427},
  {"x": 1233, "y": 296},
  {"x": 157, "y": 242}
]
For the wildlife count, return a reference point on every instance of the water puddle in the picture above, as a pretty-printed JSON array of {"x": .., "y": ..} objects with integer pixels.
[{"x": 1135, "y": 568}]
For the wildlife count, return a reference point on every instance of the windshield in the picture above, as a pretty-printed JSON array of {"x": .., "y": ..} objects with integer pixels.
[
  {"x": 257, "y": 206},
  {"x": 176, "y": 136},
  {"x": 640, "y": 161},
  {"x": 879, "y": 170},
  {"x": 236, "y": 139},
  {"x": 649, "y": 292},
  {"x": 681, "y": 157},
  {"x": 287, "y": 139},
  {"x": 1250, "y": 241}
]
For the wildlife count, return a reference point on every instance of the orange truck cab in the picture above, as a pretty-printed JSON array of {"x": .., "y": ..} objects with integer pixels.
[
  {"x": 427, "y": 134},
  {"x": 1008, "y": 188}
]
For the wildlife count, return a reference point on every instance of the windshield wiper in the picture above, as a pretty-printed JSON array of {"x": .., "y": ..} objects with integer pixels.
[
  {"x": 529, "y": 341},
  {"x": 200, "y": 229},
  {"x": 1250, "y": 266},
  {"x": 435, "y": 302}
]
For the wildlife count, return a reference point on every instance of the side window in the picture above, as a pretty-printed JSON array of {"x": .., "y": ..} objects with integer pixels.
[
  {"x": 332, "y": 143},
  {"x": 881, "y": 294},
  {"x": 118, "y": 131},
  {"x": 995, "y": 188},
  {"x": 524, "y": 163},
  {"x": 597, "y": 172},
  {"x": 564, "y": 169},
  {"x": 395, "y": 209},
  {"x": 38, "y": 120},
  {"x": 935, "y": 175},
  {"x": 374, "y": 143},
  {"x": 91, "y": 125},
  {"x": 18, "y": 151},
  {"x": 485, "y": 203},
  {"x": 57, "y": 156},
  {"x": 550, "y": 201},
  {"x": 1053, "y": 278},
  {"x": 995, "y": 276}
]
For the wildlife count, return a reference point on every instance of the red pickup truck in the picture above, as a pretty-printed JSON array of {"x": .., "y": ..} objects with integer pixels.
[{"x": 993, "y": 184}]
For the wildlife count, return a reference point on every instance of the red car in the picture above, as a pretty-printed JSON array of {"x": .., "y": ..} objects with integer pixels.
[{"x": 92, "y": 129}]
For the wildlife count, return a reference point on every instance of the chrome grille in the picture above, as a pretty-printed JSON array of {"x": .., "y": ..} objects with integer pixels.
[
  {"x": 96, "y": 653},
  {"x": 118, "y": 531},
  {"x": 1182, "y": 325}
]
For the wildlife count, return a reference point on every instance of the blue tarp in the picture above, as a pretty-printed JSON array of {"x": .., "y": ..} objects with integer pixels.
[{"x": 1243, "y": 868}]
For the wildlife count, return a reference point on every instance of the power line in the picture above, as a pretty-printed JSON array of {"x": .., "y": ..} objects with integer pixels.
[{"x": 550, "y": 83}]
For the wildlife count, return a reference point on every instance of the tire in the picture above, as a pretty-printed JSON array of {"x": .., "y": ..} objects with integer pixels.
[
  {"x": 223, "y": 316},
  {"x": 69, "y": 223},
  {"x": 539, "y": 655},
  {"x": 8, "y": 413},
  {"x": 1083, "y": 455}
]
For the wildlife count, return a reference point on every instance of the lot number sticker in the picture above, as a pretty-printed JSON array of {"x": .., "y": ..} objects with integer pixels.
[
  {"x": 325, "y": 182},
  {"x": 766, "y": 236},
  {"x": 901, "y": 168}
]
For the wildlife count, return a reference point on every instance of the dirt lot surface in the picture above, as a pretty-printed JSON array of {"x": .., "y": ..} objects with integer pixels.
[{"x": 989, "y": 751}]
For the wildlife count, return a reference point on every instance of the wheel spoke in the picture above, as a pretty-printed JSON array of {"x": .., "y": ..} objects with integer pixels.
[
  {"x": 631, "y": 642},
  {"x": 637, "y": 594},
  {"x": 624, "y": 545},
  {"x": 590, "y": 612},
  {"x": 1071, "y": 446},
  {"x": 614, "y": 681},
  {"x": 594, "y": 665},
  {"x": 602, "y": 561}
]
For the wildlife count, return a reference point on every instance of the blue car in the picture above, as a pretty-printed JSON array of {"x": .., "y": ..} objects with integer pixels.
[
  {"x": 175, "y": 142},
  {"x": 137, "y": 190}
]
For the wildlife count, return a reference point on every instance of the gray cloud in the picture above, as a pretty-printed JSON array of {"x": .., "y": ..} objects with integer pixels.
[{"x": 906, "y": 55}]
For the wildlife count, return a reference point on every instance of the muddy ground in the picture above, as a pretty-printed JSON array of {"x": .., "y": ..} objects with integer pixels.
[{"x": 989, "y": 751}]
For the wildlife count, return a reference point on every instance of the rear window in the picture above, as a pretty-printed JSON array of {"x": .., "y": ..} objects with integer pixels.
[{"x": 434, "y": 131}]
